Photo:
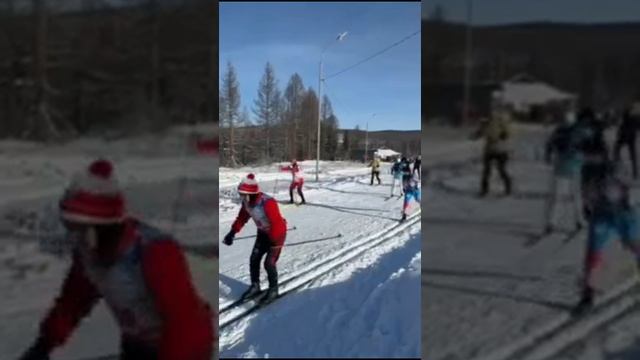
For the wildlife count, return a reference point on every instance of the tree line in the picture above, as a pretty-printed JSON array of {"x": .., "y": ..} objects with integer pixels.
[
  {"x": 282, "y": 124},
  {"x": 97, "y": 68}
]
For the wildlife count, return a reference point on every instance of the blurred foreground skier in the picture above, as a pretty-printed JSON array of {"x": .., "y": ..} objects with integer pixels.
[
  {"x": 612, "y": 215},
  {"x": 297, "y": 180},
  {"x": 141, "y": 274},
  {"x": 272, "y": 231}
]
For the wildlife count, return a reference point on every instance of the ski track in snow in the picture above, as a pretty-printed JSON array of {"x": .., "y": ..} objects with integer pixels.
[
  {"x": 346, "y": 300},
  {"x": 34, "y": 176},
  {"x": 363, "y": 308},
  {"x": 488, "y": 296}
]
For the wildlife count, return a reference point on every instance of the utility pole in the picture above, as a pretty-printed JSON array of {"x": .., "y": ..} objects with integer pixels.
[
  {"x": 319, "y": 119},
  {"x": 366, "y": 143},
  {"x": 467, "y": 68}
]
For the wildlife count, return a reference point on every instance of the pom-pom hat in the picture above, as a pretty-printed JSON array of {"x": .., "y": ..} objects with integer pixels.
[
  {"x": 249, "y": 185},
  {"x": 94, "y": 197}
]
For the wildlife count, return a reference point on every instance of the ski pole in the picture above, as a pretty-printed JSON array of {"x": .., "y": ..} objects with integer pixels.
[
  {"x": 253, "y": 236},
  {"x": 338, "y": 235}
]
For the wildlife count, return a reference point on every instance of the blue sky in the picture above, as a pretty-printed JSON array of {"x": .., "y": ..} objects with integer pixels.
[
  {"x": 511, "y": 11},
  {"x": 291, "y": 36}
]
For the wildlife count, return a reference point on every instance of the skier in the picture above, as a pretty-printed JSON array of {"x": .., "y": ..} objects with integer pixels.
[
  {"x": 626, "y": 136},
  {"x": 411, "y": 188},
  {"x": 396, "y": 174},
  {"x": 140, "y": 272},
  {"x": 596, "y": 155},
  {"x": 272, "y": 231},
  {"x": 405, "y": 169},
  {"x": 612, "y": 213},
  {"x": 375, "y": 168},
  {"x": 495, "y": 132},
  {"x": 564, "y": 145},
  {"x": 417, "y": 166},
  {"x": 296, "y": 179}
]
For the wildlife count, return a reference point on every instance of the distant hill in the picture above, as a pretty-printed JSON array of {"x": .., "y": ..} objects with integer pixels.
[{"x": 599, "y": 62}]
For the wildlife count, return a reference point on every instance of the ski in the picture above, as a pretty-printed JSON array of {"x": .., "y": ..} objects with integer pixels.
[
  {"x": 572, "y": 235},
  {"x": 566, "y": 238},
  {"x": 241, "y": 302},
  {"x": 257, "y": 306}
]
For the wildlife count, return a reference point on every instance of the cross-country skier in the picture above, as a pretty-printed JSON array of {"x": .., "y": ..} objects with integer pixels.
[
  {"x": 411, "y": 188},
  {"x": 626, "y": 136},
  {"x": 272, "y": 231},
  {"x": 141, "y": 274},
  {"x": 495, "y": 132},
  {"x": 297, "y": 180},
  {"x": 417, "y": 166},
  {"x": 564, "y": 146},
  {"x": 612, "y": 215},
  {"x": 396, "y": 175},
  {"x": 405, "y": 169},
  {"x": 375, "y": 168},
  {"x": 596, "y": 155}
]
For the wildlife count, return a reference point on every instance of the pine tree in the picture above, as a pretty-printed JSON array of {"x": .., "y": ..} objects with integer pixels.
[
  {"x": 268, "y": 107},
  {"x": 230, "y": 111},
  {"x": 293, "y": 97}
]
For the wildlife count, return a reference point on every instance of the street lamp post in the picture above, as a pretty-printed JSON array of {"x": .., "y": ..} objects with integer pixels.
[
  {"x": 320, "y": 80},
  {"x": 366, "y": 140}
]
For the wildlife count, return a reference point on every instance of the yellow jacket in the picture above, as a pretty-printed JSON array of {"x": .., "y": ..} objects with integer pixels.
[
  {"x": 375, "y": 165},
  {"x": 496, "y": 133}
]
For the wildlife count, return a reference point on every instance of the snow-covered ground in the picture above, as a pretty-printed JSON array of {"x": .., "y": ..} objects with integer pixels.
[
  {"x": 487, "y": 292},
  {"x": 357, "y": 268},
  {"x": 167, "y": 184}
]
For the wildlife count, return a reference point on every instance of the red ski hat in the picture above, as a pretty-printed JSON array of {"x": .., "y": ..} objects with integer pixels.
[
  {"x": 249, "y": 185},
  {"x": 94, "y": 197}
]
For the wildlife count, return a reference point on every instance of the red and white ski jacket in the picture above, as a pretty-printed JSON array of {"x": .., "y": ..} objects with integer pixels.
[
  {"x": 266, "y": 214},
  {"x": 296, "y": 172},
  {"x": 148, "y": 290}
]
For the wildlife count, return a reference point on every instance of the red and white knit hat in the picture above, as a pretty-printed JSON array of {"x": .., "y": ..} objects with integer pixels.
[
  {"x": 249, "y": 185},
  {"x": 94, "y": 197}
]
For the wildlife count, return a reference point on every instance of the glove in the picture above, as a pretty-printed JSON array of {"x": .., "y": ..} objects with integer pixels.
[
  {"x": 37, "y": 351},
  {"x": 228, "y": 239}
]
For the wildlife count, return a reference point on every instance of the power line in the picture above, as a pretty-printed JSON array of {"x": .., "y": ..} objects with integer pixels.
[{"x": 374, "y": 55}]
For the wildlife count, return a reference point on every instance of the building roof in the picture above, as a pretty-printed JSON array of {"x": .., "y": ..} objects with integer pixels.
[
  {"x": 523, "y": 91},
  {"x": 386, "y": 152}
]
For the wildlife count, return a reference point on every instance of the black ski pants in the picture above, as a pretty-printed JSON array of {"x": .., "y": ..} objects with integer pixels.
[
  {"x": 261, "y": 247},
  {"x": 377, "y": 175},
  {"x": 500, "y": 159}
]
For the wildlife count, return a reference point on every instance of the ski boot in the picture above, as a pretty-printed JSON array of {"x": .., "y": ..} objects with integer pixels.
[
  {"x": 252, "y": 291},
  {"x": 585, "y": 304},
  {"x": 548, "y": 230},
  {"x": 579, "y": 225},
  {"x": 404, "y": 217},
  {"x": 270, "y": 296}
]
